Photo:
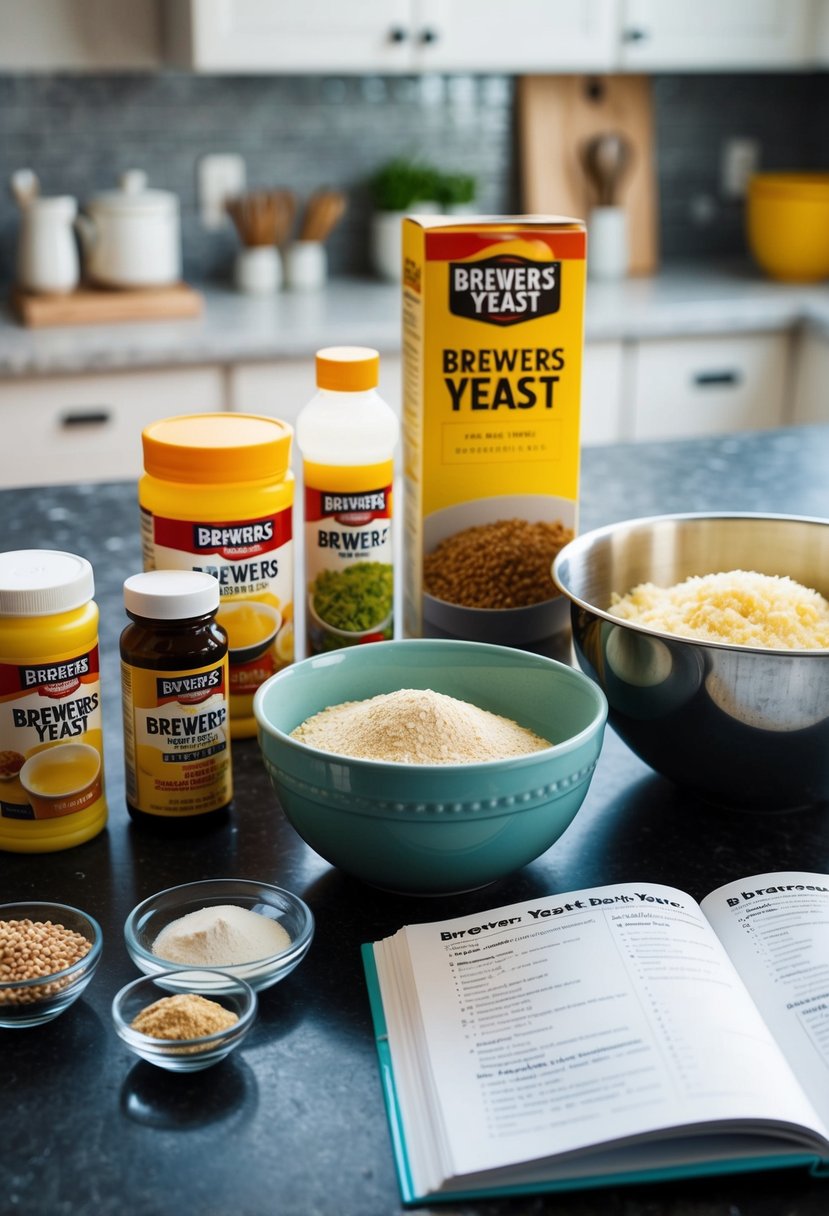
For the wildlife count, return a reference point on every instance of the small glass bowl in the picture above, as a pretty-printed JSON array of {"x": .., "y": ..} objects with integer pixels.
[
  {"x": 34, "y": 1001},
  {"x": 183, "y": 1055},
  {"x": 146, "y": 921}
]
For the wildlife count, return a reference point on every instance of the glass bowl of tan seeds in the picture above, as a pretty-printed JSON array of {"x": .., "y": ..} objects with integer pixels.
[{"x": 48, "y": 955}]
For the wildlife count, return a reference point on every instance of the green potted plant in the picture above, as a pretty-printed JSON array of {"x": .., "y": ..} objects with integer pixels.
[
  {"x": 455, "y": 192},
  {"x": 398, "y": 188}
]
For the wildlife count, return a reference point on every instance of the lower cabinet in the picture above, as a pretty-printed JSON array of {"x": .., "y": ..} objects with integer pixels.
[
  {"x": 283, "y": 386},
  {"x": 602, "y": 392},
  {"x": 81, "y": 428},
  {"x": 681, "y": 387},
  {"x": 811, "y": 379},
  {"x": 88, "y": 428}
]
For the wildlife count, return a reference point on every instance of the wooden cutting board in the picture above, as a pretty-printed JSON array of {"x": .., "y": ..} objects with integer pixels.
[
  {"x": 97, "y": 306},
  {"x": 556, "y": 116}
]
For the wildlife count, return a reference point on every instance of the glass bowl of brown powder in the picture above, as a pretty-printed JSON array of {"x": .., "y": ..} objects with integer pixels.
[
  {"x": 167, "y": 1021},
  {"x": 430, "y": 766}
]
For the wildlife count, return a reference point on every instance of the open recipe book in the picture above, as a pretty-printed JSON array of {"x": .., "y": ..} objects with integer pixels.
[{"x": 619, "y": 1034}]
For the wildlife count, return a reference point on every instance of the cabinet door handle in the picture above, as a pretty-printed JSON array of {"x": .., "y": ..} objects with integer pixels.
[
  {"x": 428, "y": 36},
  {"x": 634, "y": 35},
  {"x": 717, "y": 379},
  {"x": 94, "y": 415},
  {"x": 398, "y": 33}
]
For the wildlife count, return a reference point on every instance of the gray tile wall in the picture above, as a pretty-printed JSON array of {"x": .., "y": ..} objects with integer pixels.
[{"x": 78, "y": 132}]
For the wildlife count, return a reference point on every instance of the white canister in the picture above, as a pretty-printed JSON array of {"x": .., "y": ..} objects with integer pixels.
[
  {"x": 47, "y": 252},
  {"x": 132, "y": 236},
  {"x": 257, "y": 270},
  {"x": 608, "y": 256},
  {"x": 306, "y": 265}
]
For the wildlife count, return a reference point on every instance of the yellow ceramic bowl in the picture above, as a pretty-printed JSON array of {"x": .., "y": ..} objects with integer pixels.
[{"x": 787, "y": 219}]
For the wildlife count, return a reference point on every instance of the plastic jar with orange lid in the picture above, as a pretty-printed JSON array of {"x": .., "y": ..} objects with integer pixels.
[
  {"x": 217, "y": 496},
  {"x": 51, "y": 736}
]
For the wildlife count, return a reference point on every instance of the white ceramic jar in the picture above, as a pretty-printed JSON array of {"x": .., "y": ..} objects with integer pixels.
[{"x": 131, "y": 236}]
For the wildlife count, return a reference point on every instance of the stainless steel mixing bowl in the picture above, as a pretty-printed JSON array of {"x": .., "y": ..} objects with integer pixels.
[{"x": 743, "y": 726}]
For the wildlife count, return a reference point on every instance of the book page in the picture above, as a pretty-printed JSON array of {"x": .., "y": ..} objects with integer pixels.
[
  {"x": 572, "y": 1021},
  {"x": 776, "y": 929}
]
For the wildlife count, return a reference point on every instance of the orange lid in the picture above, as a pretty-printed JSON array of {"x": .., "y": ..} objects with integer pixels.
[
  {"x": 205, "y": 448},
  {"x": 348, "y": 369}
]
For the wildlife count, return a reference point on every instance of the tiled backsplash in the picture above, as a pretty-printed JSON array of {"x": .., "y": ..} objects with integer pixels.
[{"x": 78, "y": 132}]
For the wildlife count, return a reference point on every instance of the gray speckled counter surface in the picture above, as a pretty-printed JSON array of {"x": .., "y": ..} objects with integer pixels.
[
  {"x": 236, "y": 328},
  {"x": 293, "y": 1123}
]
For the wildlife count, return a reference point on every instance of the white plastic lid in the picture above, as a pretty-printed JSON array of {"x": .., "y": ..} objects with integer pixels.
[
  {"x": 42, "y": 582},
  {"x": 171, "y": 595}
]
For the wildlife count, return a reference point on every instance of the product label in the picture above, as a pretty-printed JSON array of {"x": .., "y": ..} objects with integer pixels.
[
  {"x": 349, "y": 572},
  {"x": 51, "y": 739},
  {"x": 493, "y": 342},
  {"x": 177, "y": 739},
  {"x": 504, "y": 290},
  {"x": 252, "y": 559}
]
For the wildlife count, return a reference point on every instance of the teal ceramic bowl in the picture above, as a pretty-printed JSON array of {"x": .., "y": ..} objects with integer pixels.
[{"x": 433, "y": 829}]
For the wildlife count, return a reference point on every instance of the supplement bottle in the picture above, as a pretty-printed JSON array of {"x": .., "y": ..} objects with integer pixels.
[
  {"x": 51, "y": 736},
  {"x": 174, "y": 685},
  {"x": 217, "y": 496},
  {"x": 347, "y": 435}
]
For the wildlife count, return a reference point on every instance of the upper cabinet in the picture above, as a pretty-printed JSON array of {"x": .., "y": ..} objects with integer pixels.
[
  {"x": 707, "y": 35},
  {"x": 387, "y": 36},
  {"x": 80, "y": 35},
  {"x": 533, "y": 37},
  {"x": 524, "y": 36}
]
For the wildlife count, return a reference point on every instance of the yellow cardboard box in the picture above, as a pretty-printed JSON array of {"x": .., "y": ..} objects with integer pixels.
[{"x": 493, "y": 336}]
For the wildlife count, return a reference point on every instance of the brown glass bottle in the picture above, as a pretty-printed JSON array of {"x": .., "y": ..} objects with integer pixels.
[{"x": 175, "y": 687}]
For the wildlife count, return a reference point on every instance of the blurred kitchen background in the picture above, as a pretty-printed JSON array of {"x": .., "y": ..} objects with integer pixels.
[{"x": 325, "y": 94}]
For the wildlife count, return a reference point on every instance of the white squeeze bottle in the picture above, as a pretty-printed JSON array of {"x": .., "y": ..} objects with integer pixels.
[{"x": 347, "y": 436}]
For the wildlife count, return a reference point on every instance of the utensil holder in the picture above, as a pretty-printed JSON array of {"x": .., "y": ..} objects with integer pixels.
[
  {"x": 306, "y": 265},
  {"x": 607, "y": 243},
  {"x": 258, "y": 270}
]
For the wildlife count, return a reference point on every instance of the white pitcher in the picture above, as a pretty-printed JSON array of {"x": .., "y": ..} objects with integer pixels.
[{"x": 47, "y": 251}]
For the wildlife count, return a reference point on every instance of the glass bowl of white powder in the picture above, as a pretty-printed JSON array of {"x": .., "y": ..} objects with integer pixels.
[
  {"x": 430, "y": 766},
  {"x": 222, "y": 926}
]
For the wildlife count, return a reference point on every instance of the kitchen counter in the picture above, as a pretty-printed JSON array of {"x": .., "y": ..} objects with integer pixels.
[
  {"x": 293, "y": 1123},
  {"x": 235, "y": 328}
]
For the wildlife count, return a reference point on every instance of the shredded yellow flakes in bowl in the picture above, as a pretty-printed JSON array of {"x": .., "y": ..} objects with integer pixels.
[
  {"x": 709, "y": 635},
  {"x": 739, "y": 607}
]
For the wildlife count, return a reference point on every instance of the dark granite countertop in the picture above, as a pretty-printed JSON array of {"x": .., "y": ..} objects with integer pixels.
[{"x": 293, "y": 1123}]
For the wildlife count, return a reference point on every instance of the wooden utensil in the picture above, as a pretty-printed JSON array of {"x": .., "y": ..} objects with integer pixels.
[
  {"x": 606, "y": 159},
  {"x": 263, "y": 217},
  {"x": 323, "y": 212}
]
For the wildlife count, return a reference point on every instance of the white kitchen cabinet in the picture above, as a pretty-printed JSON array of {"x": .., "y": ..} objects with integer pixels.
[
  {"x": 602, "y": 392},
  {"x": 314, "y": 36},
  {"x": 703, "y": 386},
  {"x": 88, "y": 428},
  {"x": 281, "y": 387},
  {"x": 67, "y": 35},
  {"x": 810, "y": 399},
  {"x": 524, "y": 36},
  {"x": 712, "y": 35},
  {"x": 389, "y": 36}
]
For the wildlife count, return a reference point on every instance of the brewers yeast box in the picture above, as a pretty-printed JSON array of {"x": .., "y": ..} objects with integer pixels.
[{"x": 493, "y": 318}]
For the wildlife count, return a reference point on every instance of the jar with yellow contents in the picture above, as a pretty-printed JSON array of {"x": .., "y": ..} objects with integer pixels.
[
  {"x": 217, "y": 496},
  {"x": 51, "y": 736}
]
